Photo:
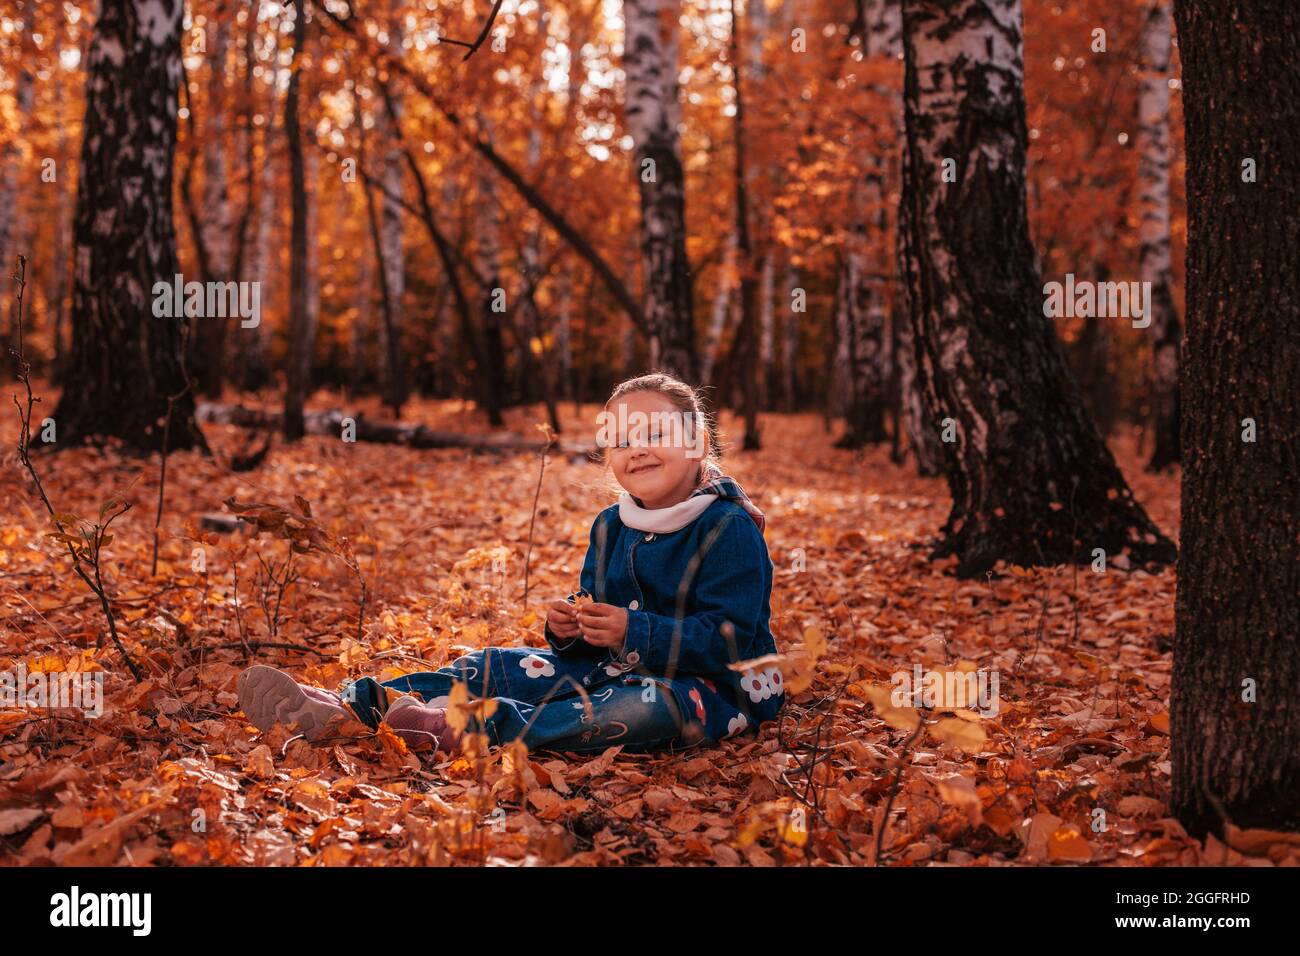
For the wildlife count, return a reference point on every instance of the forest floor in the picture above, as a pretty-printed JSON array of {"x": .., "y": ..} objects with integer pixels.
[{"x": 1072, "y": 768}]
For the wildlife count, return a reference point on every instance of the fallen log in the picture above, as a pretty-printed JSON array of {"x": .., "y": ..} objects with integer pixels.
[{"x": 387, "y": 433}]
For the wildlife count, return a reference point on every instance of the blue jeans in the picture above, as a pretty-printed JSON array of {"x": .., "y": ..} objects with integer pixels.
[{"x": 541, "y": 700}]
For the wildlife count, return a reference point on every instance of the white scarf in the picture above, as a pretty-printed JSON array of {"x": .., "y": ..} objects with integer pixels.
[{"x": 662, "y": 520}]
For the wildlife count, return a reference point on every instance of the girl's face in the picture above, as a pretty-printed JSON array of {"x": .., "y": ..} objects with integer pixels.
[{"x": 654, "y": 454}]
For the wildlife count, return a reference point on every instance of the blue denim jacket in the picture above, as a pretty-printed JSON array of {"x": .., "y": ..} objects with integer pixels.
[{"x": 698, "y": 599}]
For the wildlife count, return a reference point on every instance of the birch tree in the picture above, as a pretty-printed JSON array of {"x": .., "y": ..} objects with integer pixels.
[
  {"x": 861, "y": 324},
  {"x": 11, "y": 164},
  {"x": 208, "y": 335},
  {"x": 13, "y": 233},
  {"x": 865, "y": 340},
  {"x": 1032, "y": 482},
  {"x": 1153, "y": 190},
  {"x": 125, "y": 361},
  {"x": 252, "y": 367},
  {"x": 653, "y": 112},
  {"x": 392, "y": 258}
]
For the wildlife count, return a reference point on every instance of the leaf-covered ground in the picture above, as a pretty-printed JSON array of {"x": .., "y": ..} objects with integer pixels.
[{"x": 1073, "y": 768}]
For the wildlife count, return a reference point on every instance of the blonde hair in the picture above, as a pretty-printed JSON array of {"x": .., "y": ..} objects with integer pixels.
[{"x": 685, "y": 399}]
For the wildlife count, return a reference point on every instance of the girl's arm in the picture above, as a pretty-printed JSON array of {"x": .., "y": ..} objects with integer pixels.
[
  {"x": 730, "y": 586},
  {"x": 576, "y": 646}
]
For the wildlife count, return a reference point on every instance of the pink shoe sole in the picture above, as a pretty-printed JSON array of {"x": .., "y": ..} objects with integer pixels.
[{"x": 268, "y": 697}]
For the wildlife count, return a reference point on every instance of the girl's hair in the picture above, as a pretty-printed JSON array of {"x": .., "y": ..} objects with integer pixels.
[{"x": 684, "y": 398}]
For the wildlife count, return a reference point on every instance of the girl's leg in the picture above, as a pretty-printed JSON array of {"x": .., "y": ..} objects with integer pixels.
[
  {"x": 523, "y": 674},
  {"x": 618, "y": 714},
  {"x": 639, "y": 718}
]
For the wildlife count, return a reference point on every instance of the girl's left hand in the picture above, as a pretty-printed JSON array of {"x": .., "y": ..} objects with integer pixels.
[{"x": 603, "y": 625}]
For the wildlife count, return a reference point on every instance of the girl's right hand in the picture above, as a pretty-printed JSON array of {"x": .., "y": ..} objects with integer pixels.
[{"x": 562, "y": 619}]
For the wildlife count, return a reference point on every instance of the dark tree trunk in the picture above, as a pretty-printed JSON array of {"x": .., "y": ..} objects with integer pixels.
[
  {"x": 301, "y": 321},
  {"x": 394, "y": 382},
  {"x": 1238, "y": 607},
  {"x": 653, "y": 109},
  {"x": 922, "y": 440},
  {"x": 1090, "y": 361},
  {"x": 125, "y": 362},
  {"x": 789, "y": 340},
  {"x": 864, "y": 326},
  {"x": 1032, "y": 482}
]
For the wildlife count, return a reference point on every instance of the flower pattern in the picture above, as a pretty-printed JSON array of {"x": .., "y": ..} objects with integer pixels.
[
  {"x": 535, "y": 666},
  {"x": 776, "y": 681},
  {"x": 736, "y": 725},
  {"x": 756, "y": 685}
]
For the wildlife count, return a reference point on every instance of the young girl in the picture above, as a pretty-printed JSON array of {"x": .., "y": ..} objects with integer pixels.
[{"x": 675, "y": 586}]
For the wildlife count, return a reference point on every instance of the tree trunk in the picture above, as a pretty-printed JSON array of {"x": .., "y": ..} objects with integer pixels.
[
  {"x": 392, "y": 433},
  {"x": 392, "y": 259},
  {"x": 126, "y": 362},
  {"x": 922, "y": 440},
  {"x": 789, "y": 339},
  {"x": 59, "y": 272},
  {"x": 1238, "y": 605},
  {"x": 208, "y": 334},
  {"x": 564, "y": 329},
  {"x": 452, "y": 361},
  {"x": 488, "y": 247},
  {"x": 653, "y": 111},
  {"x": 867, "y": 355},
  {"x": 11, "y": 166},
  {"x": 767, "y": 327},
  {"x": 862, "y": 310},
  {"x": 1153, "y": 179},
  {"x": 747, "y": 355},
  {"x": 358, "y": 344},
  {"x": 488, "y": 398},
  {"x": 253, "y": 371},
  {"x": 301, "y": 321},
  {"x": 759, "y": 21},
  {"x": 1032, "y": 482},
  {"x": 719, "y": 311}
]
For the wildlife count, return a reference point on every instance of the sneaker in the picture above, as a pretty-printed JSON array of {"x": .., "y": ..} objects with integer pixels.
[
  {"x": 268, "y": 697},
  {"x": 419, "y": 723}
]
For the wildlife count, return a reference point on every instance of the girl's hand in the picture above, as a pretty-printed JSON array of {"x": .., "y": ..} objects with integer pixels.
[
  {"x": 562, "y": 619},
  {"x": 603, "y": 625}
]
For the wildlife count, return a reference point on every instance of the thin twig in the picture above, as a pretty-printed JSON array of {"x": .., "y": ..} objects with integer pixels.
[
  {"x": 95, "y": 540},
  {"x": 893, "y": 790},
  {"x": 532, "y": 519}
]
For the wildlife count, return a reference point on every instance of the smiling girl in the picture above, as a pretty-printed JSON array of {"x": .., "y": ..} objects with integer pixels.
[{"x": 675, "y": 587}]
